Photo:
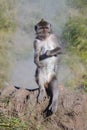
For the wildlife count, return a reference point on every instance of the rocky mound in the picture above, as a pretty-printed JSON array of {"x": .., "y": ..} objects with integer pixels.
[{"x": 21, "y": 103}]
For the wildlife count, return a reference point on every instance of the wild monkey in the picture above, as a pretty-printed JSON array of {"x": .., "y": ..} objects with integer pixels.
[{"x": 46, "y": 51}]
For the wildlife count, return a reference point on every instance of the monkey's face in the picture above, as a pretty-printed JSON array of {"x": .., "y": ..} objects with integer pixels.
[{"x": 43, "y": 29}]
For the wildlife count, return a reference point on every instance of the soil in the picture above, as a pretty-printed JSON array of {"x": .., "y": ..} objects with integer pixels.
[{"x": 22, "y": 103}]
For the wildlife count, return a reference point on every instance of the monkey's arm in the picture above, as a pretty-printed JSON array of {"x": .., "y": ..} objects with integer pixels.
[
  {"x": 54, "y": 52},
  {"x": 57, "y": 48},
  {"x": 37, "y": 50}
]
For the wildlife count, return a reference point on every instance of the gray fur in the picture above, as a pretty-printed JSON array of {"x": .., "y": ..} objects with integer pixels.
[{"x": 46, "y": 59}]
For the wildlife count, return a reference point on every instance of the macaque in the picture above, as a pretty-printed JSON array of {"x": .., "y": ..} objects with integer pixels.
[{"x": 46, "y": 51}]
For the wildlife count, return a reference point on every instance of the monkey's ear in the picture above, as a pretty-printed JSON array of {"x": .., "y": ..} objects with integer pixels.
[{"x": 35, "y": 27}]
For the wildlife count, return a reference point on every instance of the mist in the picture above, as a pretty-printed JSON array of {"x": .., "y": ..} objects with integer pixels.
[{"x": 28, "y": 13}]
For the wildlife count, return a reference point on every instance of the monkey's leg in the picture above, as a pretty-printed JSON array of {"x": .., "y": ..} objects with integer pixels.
[
  {"x": 54, "y": 93},
  {"x": 42, "y": 92}
]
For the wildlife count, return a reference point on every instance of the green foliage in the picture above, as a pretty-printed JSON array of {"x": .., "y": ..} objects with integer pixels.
[
  {"x": 84, "y": 81},
  {"x": 5, "y": 57},
  {"x": 7, "y": 26},
  {"x": 6, "y": 16},
  {"x": 75, "y": 35},
  {"x": 80, "y": 4},
  {"x": 75, "y": 31},
  {"x": 11, "y": 123}
]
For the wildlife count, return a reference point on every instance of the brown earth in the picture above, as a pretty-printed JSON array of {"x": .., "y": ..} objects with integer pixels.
[{"x": 21, "y": 103}]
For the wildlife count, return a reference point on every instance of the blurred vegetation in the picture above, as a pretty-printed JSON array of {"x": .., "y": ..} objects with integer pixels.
[
  {"x": 7, "y": 27},
  {"x": 7, "y": 15},
  {"x": 11, "y": 123},
  {"x": 79, "y": 4},
  {"x": 75, "y": 35}
]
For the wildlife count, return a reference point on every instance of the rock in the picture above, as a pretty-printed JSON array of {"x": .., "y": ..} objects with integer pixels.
[
  {"x": 71, "y": 114},
  {"x": 8, "y": 91}
]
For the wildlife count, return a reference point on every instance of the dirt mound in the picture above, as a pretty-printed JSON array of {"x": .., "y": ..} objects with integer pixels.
[{"x": 71, "y": 113}]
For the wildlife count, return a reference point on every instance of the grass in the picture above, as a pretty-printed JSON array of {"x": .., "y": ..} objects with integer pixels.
[
  {"x": 75, "y": 35},
  {"x": 7, "y": 27},
  {"x": 11, "y": 123},
  {"x": 75, "y": 69}
]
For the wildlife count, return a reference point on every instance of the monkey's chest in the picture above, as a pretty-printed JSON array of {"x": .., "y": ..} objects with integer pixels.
[
  {"x": 46, "y": 46},
  {"x": 48, "y": 62}
]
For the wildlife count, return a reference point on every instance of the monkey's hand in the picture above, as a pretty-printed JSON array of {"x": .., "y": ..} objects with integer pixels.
[
  {"x": 54, "y": 52},
  {"x": 48, "y": 53},
  {"x": 39, "y": 64},
  {"x": 37, "y": 61}
]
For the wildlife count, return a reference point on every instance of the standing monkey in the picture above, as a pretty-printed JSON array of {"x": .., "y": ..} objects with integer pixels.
[{"x": 46, "y": 50}]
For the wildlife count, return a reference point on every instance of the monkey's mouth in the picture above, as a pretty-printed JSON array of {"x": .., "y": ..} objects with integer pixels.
[{"x": 42, "y": 35}]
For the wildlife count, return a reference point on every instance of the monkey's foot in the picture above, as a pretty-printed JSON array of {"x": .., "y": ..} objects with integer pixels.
[
  {"x": 53, "y": 107},
  {"x": 41, "y": 96}
]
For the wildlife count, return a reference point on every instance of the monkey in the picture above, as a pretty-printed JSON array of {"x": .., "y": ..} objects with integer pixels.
[{"x": 46, "y": 51}]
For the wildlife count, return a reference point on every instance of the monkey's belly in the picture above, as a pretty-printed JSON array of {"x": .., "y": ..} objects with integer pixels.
[
  {"x": 48, "y": 71},
  {"x": 49, "y": 63}
]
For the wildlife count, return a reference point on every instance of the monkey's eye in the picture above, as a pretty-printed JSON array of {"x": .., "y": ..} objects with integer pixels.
[
  {"x": 43, "y": 27},
  {"x": 46, "y": 28}
]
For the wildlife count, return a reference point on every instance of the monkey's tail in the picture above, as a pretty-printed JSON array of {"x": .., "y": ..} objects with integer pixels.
[
  {"x": 17, "y": 87},
  {"x": 31, "y": 90}
]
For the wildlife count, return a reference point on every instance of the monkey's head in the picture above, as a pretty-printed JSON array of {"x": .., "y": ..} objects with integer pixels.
[{"x": 43, "y": 29}]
